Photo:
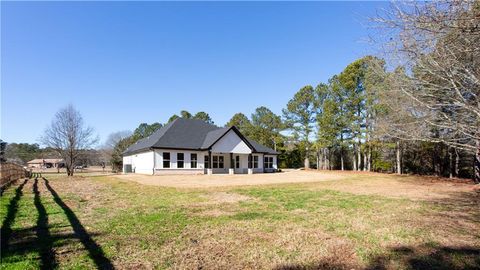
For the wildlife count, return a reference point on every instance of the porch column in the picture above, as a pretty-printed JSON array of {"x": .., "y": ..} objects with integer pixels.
[
  {"x": 232, "y": 168},
  {"x": 263, "y": 162},
  {"x": 209, "y": 169},
  {"x": 250, "y": 164}
]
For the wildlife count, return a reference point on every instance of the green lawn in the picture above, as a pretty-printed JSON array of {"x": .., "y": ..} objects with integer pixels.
[{"x": 102, "y": 222}]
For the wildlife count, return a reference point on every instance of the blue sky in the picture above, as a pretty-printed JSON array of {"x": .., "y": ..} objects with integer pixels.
[{"x": 123, "y": 63}]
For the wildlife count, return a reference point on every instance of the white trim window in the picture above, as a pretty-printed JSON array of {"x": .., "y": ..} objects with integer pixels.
[
  {"x": 237, "y": 162},
  {"x": 268, "y": 161},
  {"x": 207, "y": 162},
  {"x": 255, "y": 162},
  {"x": 193, "y": 160},
  {"x": 166, "y": 159},
  {"x": 218, "y": 162},
  {"x": 180, "y": 160}
]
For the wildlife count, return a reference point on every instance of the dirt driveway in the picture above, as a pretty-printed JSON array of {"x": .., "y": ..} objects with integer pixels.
[
  {"x": 412, "y": 187},
  {"x": 222, "y": 180}
]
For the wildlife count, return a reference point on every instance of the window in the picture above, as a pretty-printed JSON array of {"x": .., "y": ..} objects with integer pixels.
[
  {"x": 255, "y": 161},
  {"x": 215, "y": 162},
  {"x": 166, "y": 160},
  {"x": 268, "y": 161},
  {"x": 180, "y": 160},
  {"x": 237, "y": 162},
  {"x": 193, "y": 160},
  {"x": 218, "y": 162},
  {"x": 207, "y": 162}
]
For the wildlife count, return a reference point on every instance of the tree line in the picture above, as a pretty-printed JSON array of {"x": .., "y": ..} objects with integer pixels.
[{"x": 416, "y": 110}]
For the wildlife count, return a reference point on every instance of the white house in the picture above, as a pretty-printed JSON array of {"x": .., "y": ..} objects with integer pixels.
[
  {"x": 46, "y": 163},
  {"x": 189, "y": 146}
]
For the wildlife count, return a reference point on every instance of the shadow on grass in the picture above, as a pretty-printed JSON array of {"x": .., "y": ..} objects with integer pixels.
[
  {"x": 457, "y": 213},
  {"x": 26, "y": 243},
  {"x": 424, "y": 257},
  {"x": 459, "y": 206},
  {"x": 45, "y": 241},
  {"x": 6, "y": 230},
  {"x": 94, "y": 250},
  {"x": 405, "y": 257}
]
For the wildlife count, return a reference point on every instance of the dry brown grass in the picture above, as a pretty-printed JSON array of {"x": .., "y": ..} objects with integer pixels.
[
  {"x": 355, "y": 221},
  {"x": 249, "y": 246},
  {"x": 224, "y": 197},
  {"x": 410, "y": 187}
]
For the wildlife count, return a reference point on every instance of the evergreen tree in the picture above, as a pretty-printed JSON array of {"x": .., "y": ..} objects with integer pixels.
[
  {"x": 241, "y": 121},
  {"x": 300, "y": 116},
  {"x": 173, "y": 117},
  {"x": 185, "y": 114},
  {"x": 203, "y": 116},
  {"x": 266, "y": 127},
  {"x": 145, "y": 130}
]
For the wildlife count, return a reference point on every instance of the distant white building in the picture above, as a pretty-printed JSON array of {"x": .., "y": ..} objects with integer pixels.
[
  {"x": 190, "y": 146},
  {"x": 46, "y": 163}
]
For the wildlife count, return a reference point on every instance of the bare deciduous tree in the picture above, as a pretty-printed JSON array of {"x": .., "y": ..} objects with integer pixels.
[
  {"x": 115, "y": 137},
  {"x": 108, "y": 149},
  {"x": 436, "y": 44},
  {"x": 67, "y": 135}
]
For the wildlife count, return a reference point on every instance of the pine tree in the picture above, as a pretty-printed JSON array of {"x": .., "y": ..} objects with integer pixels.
[{"x": 300, "y": 116}]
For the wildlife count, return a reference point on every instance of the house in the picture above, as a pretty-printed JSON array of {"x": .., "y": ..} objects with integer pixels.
[
  {"x": 46, "y": 163},
  {"x": 190, "y": 146}
]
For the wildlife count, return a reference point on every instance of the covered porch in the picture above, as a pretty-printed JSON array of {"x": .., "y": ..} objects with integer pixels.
[
  {"x": 233, "y": 163},
  {"x": 234, "y": 154}
]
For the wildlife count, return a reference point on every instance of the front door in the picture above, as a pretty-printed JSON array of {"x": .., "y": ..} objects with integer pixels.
[{"x": 237, "y": 162}]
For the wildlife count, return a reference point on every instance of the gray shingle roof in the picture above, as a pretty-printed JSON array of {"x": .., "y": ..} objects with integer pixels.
[
  {"x": 189, "y": 134},
  {"x": 260, "y": 148},
  {"x": 213, "y": 136}
]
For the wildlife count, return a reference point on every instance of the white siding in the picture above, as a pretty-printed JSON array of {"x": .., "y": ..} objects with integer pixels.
[
  {"x": 174, "y": 162},
  {"x": 127, "y": 160},
  {"x": 231, "y": 143},
  {"x": 274, "y": 165},
  {"x": 244, "y": 164},
  {"x": 259, "y": 168},
  {"x": 226, "y": 163},
  {"x": 152, "y": 162},
  {"x": 141, "y": 162}
]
